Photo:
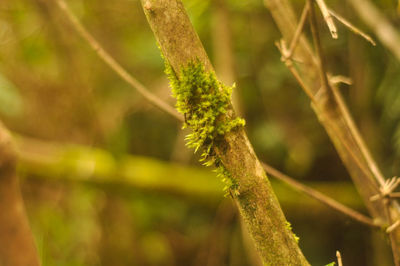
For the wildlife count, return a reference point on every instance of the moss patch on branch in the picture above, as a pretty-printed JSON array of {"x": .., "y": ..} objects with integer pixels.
[{"x": 204, "y": 101}]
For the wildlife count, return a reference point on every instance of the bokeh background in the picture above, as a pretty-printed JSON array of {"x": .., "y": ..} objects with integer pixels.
[{"x": 106, "y": 177}]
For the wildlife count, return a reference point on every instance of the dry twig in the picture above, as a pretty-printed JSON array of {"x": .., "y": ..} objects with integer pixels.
[
  {"x": 114, "y": 65},
  {"x": 384, "y": 30},
  {"x": 328, "y": 18},
  {"x": 351, "y": 27},
  {"x": 339, "y": 258},
  {"x": 319, "y": 196}
]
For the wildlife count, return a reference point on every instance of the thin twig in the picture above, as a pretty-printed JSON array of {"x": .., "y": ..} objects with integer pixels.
[
  {"x": 289, "y": 64},
  {"x": 392, "y": 237},
  {"x": 110, "y": 61},
  {"x": 372, "y": 165},
  {"x": 352, "y": 28},
  {"x": 319, "y": 196},
  {"x": 299, "y": 30},
  {"x": 393, "y": 227},
  {"x": 339, "y": 258},
  {"x": 328, "y": 18},
  {"x": 379, "y": 24},
  {"x": 318, "y": 49},
  {"x": 352, "y": 154}
]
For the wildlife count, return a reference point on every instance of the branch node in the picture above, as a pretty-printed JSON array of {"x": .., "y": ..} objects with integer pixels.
[
  {"x": 386, "y": 190},
  {"x": 392, "y": 227}
]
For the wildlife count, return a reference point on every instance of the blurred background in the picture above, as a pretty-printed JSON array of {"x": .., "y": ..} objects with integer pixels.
[{"x": 106, "y": 177}]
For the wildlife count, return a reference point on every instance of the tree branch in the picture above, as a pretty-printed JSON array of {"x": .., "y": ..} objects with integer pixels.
[{"x": 255, "y": 199}]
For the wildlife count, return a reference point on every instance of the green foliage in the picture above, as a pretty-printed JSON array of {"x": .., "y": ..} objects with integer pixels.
[
  {"x": 231, "y": 186},
  {"x": 204, "y": 101},
  {"x": 331, "y": 264}
]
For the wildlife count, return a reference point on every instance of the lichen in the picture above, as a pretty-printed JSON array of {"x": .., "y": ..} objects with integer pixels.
[{"x": 204, "y": 101}]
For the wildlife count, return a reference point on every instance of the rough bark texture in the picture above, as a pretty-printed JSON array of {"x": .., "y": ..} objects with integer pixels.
[
  {"x": 257, "y": 202},
  {"x": 330, "y": 115},
  {"x": 17, "y": 247}
]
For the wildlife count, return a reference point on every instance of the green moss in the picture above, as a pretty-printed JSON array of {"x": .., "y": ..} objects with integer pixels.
[
  {"x": 289, "y": 227},
  {"x": 204, "y": 101},
  {"x": 231, "y": 187}
]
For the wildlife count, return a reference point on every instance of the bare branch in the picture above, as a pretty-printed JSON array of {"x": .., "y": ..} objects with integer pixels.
[
  {"x": 353, "y": 28},
  {"x": 319, "y": 196},
  {"x": 392, "y": 232},
  {"x": 299, "y": 30},
  {"x": 328, "y": 18},
  {"x": 318, "y": 49},
  {"x": 339, "y": 258}
]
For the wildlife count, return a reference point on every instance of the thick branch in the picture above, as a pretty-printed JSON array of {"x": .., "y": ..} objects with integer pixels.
[{"x": 256, "y": 201}]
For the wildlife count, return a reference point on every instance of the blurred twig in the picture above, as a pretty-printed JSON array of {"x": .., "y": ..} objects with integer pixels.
[
  {"x": 339, "y": 258},
  {"x": 110, "y": 61},
  {"x": 384, "y": 30},
  {"x": 320, "y": 197},
  {"x": 15, "y": 232}
]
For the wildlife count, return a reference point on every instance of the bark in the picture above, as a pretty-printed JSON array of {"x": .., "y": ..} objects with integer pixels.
[
  {"x": 17, "y": 247},
  {"x": 257, "y": 202}
]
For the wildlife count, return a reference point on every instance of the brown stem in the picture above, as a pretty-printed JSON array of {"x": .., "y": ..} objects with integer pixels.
[
  {"x": 256, "y": 201},
  {"x": 338, "y": 122},
  {"x": 341, "y": 132},
  {"x": 318, "y": 48},
  {"x": 299, "y": 29},
  {"x": 319, "y": 196},
  {"x": 17, "y": 247},
  {"x": 392, "y": 235}
]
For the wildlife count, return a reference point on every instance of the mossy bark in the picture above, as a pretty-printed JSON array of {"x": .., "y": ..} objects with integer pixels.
[
  {"x": 17, "y": 247},
  {"x": 256, "y": 201}
]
